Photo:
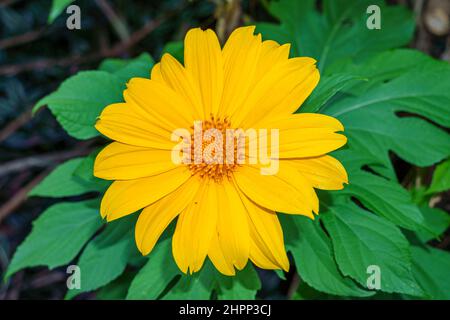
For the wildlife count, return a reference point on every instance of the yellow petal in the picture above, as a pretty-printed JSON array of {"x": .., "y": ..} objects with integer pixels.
[
  {"x": 155, "y": 218},
  {"x": 323, "y": 172},
  {"x": 126, "y": 123},
  {"x": 267, "y": 237},
  {"x": 176, "y": 76},
  {"x": 272, "y": 54},
  {"x": 217, "y": 257},
  {"x": 119, "y": 161},
  {"x": 287, "y": 191},
  {"x": 156, "y": 73},
  {"x": 241, "y": 54},
  {"x": 306, "y": 135},
  {"x": 127, "y": 196},
  {"x": 233, "y": 225},
  {"x": 280, "y": 92},
  {"x": 195, "y": 228},
  {"x": 159, "y": 103},
  {"x": 304, "y": 121},
  {"x": 203, "y": 60}
]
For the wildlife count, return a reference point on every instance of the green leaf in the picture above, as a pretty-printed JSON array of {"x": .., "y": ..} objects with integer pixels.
[
  {"x": 62, "y": 182},
  {"x": 374, "y": 128},
  {"x": 361, "y": 239},
  {"x": 85, "y": 173},
  {"x": 127, "y": 69},
  {"x": 441, "y": 178},
  {"x": 386, "y": 198},
  {"x": 383, "y": 67},
  {"x": 340, "y": 33},
  {"x": 305, "y": 292},
  {"x": 242, "y": 286},
  {"x": 156, "y": 274},
  {"x": 105, "y": 257},
  {"x": 436, "y": 221},
  {"x": 176, "y": 49},
  {"x": 198, "y": 286},
  {"x": 57, "y": 8},
  {"x": 431, "y": 268},
  {"x": 117, "y": 289},
  {"x": 313, "y": 255},
  {"x": 79, "y": 100},
  {"x": 57, "y": 236},
  {"x": 326, "y": 89}
]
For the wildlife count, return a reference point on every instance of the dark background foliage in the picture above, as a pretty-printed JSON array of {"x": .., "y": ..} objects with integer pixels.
[{"x": 35, "y": 57}]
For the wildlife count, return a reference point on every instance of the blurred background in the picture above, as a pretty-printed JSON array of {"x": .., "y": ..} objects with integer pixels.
[{"x": 36, "y": 56}]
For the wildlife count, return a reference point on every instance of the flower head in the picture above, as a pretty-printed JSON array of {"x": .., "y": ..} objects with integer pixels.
[{"x": 216, "y": 144}]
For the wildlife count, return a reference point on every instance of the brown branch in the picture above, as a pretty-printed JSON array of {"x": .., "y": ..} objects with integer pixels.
[
  {"x": 6, "y": 3},
  {"x": 117, "y": 23},
  {"x": 19, "y": 197},
  {"x": 21, "y": 39},
  {"x": 43, "y": 161},
  {"x": 116, "y": 50},
  {"x": 11, "y": 127}
]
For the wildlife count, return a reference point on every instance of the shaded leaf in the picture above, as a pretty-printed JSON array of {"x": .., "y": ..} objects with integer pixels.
[
  {"x": 340, "y": 32},
  {"x": 155, "y": 275},
  {"x": 436, "y": 221},
  {"x": 242, "y": 286},
  {"x": 441, "y": 178},
  {"x": 326, "y": 89},
  {"x": 431, "y": 268},
  {"x": 57, "y": 8}
]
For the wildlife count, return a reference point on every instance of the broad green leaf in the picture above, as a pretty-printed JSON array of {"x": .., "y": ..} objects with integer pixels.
[
  {"x": 384, "y": 67},
  {"x": 79, "y": 100},
  {"x": 361, "y": 239},
  {"x": 373, "y": 126},
  {"x": 105, "y": 257},
  {"x": 62, "y": 182},
  {"x": 57, "y": 236},
  {"x": 242, "y": 286},
  {"x": 305, "y": 292},
  {"x": 156, "y": 274},
  {"x": 340, "y": 32},
  {"x": 386, "y": 198},
  {"x": 197, "y": 286},
  {"x": 85, "y": 173},
  {"x": 313, "y": 255},
  {"x": 117, "y": 289},
  {"x": 127, "y": 69},
  {"x": 436, "y": 221},
  {"x": 326, "y": 89},
  {"x": 441, "y": 178},
  {"x": 57, "y": 8},
  {"x": 430, "y": 268}
]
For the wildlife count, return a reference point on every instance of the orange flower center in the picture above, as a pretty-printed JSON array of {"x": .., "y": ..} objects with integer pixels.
[{"x": 213, "y": 149}]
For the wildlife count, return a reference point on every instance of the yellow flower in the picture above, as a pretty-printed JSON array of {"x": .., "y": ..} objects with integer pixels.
[{"x": 225, "y": 211}]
